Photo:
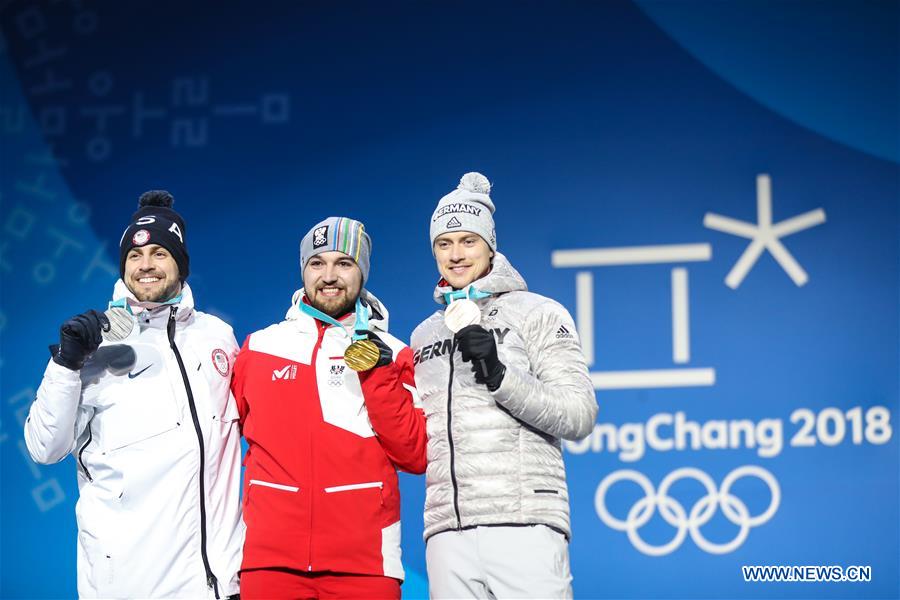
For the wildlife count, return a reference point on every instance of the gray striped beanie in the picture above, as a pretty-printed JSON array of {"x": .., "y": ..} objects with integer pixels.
[{"x": 339, "y": 234}]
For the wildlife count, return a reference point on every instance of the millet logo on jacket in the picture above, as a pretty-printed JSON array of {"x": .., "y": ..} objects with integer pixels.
[
  {"x": 442, "y": 347},
  {"x": 288, "y": 372}
]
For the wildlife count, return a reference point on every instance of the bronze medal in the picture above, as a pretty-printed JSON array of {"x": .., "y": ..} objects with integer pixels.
[{"x": 362, "y": 355}]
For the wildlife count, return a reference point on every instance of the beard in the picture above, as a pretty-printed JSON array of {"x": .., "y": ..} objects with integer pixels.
[
  {"x": 333, "y": 307},
  {"x": 167, "y": 293}
]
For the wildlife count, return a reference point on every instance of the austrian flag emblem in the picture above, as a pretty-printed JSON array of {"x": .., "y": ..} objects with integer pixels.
[{"x": 336, "y": 377}]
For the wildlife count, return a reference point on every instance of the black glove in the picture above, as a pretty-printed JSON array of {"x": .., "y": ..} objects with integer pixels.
[
  {"x": 79, "y": 337},
  {"x": 477, "y": 344},
  {"x": 385, "y": 354}
]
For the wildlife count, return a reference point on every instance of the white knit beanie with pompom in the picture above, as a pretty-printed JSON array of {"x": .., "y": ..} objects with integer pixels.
[{"x": 467, "y": 208}]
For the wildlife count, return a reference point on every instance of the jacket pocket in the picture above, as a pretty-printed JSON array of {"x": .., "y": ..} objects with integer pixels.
[
  {"x": 80, "y": 455},
  {"x": 96, "y": 567},
  {"x": 277, "y": 486},
  {"x": 356, "y": 514},
  {"x": 133, "y": 435},
  {"x": 354, "y": 486},
  {"x": 130, "y": 416},
  {"x": 353, "y": 492},
  {"x": 277, "y": 517}
]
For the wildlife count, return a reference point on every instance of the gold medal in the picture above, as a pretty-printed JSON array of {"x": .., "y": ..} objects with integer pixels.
[{"x": 362, "y": 355}]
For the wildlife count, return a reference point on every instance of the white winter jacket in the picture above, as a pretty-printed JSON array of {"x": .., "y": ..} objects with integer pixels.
[
  {"x": 135, "y": 418},
  {"x": 494, "y": 458}
]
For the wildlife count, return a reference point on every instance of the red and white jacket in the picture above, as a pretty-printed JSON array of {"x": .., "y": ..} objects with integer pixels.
[{"x": 325, "y": 443}]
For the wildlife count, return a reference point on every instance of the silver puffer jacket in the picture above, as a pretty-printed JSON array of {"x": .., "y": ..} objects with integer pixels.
[{"x": 494, "y": 458}]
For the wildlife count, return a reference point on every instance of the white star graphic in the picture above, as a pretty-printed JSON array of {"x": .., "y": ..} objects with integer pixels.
[{"x": 765, "y": 236}]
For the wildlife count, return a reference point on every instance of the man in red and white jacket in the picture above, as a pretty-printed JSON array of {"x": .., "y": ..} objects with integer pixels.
[{"x": 321, "y": 499}]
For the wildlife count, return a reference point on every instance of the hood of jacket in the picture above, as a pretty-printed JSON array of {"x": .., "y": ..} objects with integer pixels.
[{"x": 502, "y": 277}]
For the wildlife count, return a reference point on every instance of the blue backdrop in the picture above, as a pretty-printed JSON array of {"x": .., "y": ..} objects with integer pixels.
[{"x": 710, "y": 187}]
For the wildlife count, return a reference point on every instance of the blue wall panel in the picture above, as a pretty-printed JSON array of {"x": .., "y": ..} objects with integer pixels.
[{"x": 625, "y": 142}]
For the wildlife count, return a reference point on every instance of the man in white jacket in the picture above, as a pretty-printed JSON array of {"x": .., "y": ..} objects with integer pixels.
[
  {"x": 152, "y": 425},
  {"x": 502, "y": 378}
]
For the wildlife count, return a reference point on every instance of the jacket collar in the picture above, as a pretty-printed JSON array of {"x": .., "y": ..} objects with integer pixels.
[
  {"x": 502, "y": 278},
  {"x": 378, "y": 314},
  {"x": 147, "y": 311}
]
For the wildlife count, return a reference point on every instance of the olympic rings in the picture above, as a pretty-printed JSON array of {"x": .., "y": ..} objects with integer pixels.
[{"x": 675, "y": 514}]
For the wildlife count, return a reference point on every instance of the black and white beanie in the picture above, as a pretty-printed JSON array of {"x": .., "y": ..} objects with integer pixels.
[{"x": 155, "y": 222}]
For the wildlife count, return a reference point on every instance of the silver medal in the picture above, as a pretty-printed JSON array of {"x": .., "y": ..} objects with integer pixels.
[
  {"x": 461, "y": 313},
  {"x": 120, "y": 324}
]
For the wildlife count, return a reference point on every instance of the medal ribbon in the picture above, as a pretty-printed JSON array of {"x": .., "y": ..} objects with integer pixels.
[
  {"x": 127, "y": 302},
  {"x": 359, "y": 327},
  {"x": 470, "y": 293}
]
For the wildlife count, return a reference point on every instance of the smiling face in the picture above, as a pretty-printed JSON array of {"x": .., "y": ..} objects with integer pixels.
[
  {"x": 151, "y": 274},
  {"x": 462, "y": 257},
  {"x": 332, "y": 281}
]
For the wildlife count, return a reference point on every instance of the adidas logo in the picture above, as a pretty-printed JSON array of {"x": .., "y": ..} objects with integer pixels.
[
  {"x": 454, "y": 222},
  {"x": 288, "y": 372},
  {"x": 562, "y": 332}
]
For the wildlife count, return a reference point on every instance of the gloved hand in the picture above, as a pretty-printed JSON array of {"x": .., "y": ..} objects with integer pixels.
[
  {"x": 79, "y": 337},
  {"x": 385, "y": 354},
  {"x": 477, "y": 344}
]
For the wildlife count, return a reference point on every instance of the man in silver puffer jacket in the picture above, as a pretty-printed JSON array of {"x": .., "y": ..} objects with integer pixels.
[{"x": 499, "y": 395}]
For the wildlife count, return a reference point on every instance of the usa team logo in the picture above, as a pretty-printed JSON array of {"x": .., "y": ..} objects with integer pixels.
[
  {"x": 220, "y": 361},
  {"x": 141, "y": 237}
]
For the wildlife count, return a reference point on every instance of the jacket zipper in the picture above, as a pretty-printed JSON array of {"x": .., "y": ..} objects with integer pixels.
[
  {"x": 211, "y": 581},
  {"x": 450, "y": 440},
  {"x": 80, "y": 452},
  {"x": 320, "y": 338}
]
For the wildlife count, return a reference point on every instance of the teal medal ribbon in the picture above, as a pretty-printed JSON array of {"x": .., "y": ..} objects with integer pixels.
[
  {"x": 124, "y": 304},
  {"x": 359, "y": 327},
  {"x": 362, "y": 354},
  {"x": 120, "y": 316},
  {"x": 469, "y": 293},
  {"x": 461, "y": 309},
  {"x": 121, "y": 303}
]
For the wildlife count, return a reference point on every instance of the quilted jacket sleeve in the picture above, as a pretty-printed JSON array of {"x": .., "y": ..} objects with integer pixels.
[{"x": 556, "y": 395}]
